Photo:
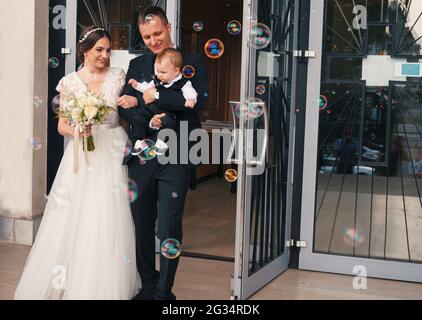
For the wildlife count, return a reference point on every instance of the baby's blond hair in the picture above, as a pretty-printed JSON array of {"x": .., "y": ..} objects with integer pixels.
[{"x": 174, "y": 55}]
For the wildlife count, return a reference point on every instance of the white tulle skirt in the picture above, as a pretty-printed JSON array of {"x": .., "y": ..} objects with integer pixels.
[{"x": 85, "y": 247}]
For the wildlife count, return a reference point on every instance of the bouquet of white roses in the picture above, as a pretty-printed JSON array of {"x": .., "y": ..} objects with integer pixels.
[{"x": 84, "y": 110}]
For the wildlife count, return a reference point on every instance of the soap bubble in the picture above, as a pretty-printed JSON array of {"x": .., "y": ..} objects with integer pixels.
[
  {"x": 198, "y": 26},
  {"x": 37, "y": 101},
  {"x": 55, "y": 104},
  {"x": 323, "y": 103},
  {"x": 260, "y": 36},
  {"x": 148, "y": 150},
  {"x": 234, "y": 27},
  {"x": 128, "y": 148},
  {"x": 260, "y": 89},
  {"x": 188, "y": 72},
  {"x": 36, "y": 144},
  {"x": 171, "y": 248},
  {"x": 150, "y": 19},
  {"x": 214, "y": 48},
  {"x": 353, "y": 237},
  {"x": 230, "y": 175},
  {"x": 253, "y": 108},
  {"x": 133, "y": 191},
  {"x": 53, "y": 62}
]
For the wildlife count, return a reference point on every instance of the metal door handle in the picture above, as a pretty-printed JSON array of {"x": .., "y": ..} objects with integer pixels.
[
  {"x": 261, "y": 161},
  {"x": 230, "y": 160}
]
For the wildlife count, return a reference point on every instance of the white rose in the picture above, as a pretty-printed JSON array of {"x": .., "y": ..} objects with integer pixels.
[
  {"x": 69, "y": 104},
  {"x": 76, "y": 115},
  {"x": 91, "y": 101},
  {"x": 90, "y": 112},
  {"x": 80, "y": 97}
]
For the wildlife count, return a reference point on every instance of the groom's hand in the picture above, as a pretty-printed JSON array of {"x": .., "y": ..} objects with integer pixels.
[
  {"x": 156, "y": 121},
  {"x": 149, "y": 95},
  {"x": 127, "y": 102}
]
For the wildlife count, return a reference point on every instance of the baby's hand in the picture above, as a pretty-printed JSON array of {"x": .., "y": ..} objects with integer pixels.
[
  {"x": 190, "y": 103},
  {"x": 133, "y": 83}
]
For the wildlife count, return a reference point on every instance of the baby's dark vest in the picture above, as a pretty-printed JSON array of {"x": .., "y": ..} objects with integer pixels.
[{"x": 178, "y": 85}]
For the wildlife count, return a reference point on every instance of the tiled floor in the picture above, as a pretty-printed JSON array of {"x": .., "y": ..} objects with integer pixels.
[
  {"x": 199, "y": 279},
  {"x": 209, "y": 228},
  {"x": 209, "y": 219}
]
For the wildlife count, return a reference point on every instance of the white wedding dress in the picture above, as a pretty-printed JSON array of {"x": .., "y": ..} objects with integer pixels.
[{"x": 85, "y": 247}]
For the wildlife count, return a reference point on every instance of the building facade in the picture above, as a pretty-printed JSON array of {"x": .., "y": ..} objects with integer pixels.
[{"x": 336, "y": 184}]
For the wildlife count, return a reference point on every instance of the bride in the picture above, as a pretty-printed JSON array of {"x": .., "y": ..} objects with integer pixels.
[{"x": 85, "y": 247}]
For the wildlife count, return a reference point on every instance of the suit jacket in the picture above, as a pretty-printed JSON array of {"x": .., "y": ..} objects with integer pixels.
[
  {"x": 142, "y": 69},
  {"x": 145, "y": 114}
]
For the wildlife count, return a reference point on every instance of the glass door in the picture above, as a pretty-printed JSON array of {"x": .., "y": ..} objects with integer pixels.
[
  {"x": 119, "y": 17},
  {"x": 361, "y": 176},
  {"x": 265, "y": 141}
]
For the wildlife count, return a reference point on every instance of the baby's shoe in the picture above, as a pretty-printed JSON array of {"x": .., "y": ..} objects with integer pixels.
[
  {"x": 160, "y": 147},
  {"x": 140, "y": 145}
]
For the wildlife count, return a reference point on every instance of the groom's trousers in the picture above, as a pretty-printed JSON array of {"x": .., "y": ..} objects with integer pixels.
[{"x": 169, "y": 185}]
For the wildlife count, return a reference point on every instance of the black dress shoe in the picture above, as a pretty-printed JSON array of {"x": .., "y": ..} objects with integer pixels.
[{"x": 144, "y": 294}]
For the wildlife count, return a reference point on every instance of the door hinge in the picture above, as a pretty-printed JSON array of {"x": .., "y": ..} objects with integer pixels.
[
  {"x": 304, "y": 54},
  {"x": 296, "y": 243},
  {"x": 66, "y": 51}
]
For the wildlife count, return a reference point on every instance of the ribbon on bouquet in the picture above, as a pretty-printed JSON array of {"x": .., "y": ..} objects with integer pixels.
[{"x": 76, "y": 139}]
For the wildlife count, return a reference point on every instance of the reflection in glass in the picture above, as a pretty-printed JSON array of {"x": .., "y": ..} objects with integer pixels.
[
  {"x": 380, "y": 11},
  {"x": 386, "y": 20},
  {"x": 346, "y": 68},
  {"x": 108, "y": 12},
  {"x": 368, "y": 201},
  {"x": 375, "y": 125},
  {"x": 341, "y": 36},
  {"x": 269, "y": 191},
  {"x": 363, "y": 209},
  {"x": 408, "y": 28},
  {"x": 379, "y": 40},
  {"x": 119, "y": 37},
  {"x": 339, "y": 123}
]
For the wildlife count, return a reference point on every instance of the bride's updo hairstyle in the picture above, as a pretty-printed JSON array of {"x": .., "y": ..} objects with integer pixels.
[{"x": 88, "y": 39}]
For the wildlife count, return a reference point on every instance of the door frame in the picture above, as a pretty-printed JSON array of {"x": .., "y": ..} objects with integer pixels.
[
  {"x": 173, "y": 16},
  {"x": 309, "y": 260},
  {"x": 244, "y": 285},
  {"x": 71, "y": 39},
  {"x": 71, "y": 34}
]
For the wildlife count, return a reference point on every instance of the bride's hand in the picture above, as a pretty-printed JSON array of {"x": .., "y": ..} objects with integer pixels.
[{"x": 65, "y": 128}]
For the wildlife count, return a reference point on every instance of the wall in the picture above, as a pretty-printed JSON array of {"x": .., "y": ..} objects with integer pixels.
[{"x": 23, "y": 106}]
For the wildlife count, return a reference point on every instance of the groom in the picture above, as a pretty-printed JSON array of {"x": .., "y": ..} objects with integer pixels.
[{"x": 165, "y": 185}]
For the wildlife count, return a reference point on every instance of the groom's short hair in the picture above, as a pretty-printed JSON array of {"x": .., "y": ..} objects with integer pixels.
[{"x": 152, "y": 11}]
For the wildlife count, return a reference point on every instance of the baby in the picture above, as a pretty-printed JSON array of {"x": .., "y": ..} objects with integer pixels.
[{"x": 168, "y": 76}]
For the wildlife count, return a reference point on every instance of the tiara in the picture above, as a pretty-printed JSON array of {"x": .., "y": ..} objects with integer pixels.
[{"x": 86, "y": 35}]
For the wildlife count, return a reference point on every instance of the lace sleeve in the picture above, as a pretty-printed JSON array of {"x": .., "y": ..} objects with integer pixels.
[
  {"x": 61, "y": 86},
  {"x": 121, "y": 79}
]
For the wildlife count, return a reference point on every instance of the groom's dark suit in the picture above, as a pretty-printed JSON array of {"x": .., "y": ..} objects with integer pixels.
[{"x": 166, "y": 183}]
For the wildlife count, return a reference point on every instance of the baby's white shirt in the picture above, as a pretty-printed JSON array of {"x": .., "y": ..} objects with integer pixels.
[{"x": 188, "y": 91}]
